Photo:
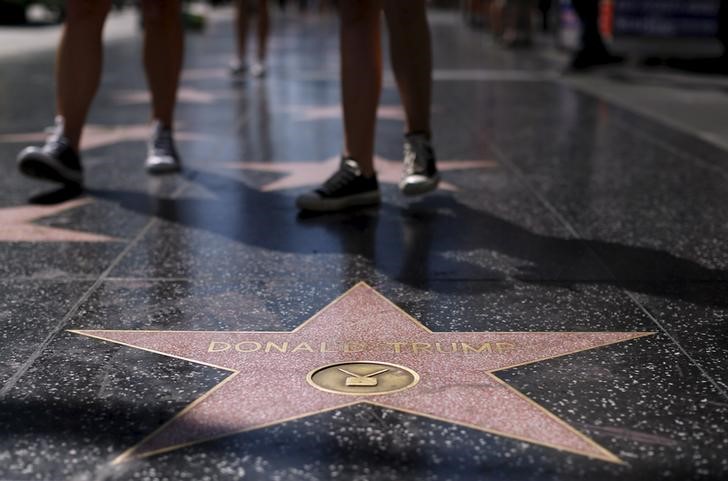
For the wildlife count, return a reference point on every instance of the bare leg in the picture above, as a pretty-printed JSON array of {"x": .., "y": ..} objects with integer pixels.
[
  {"x": 361, "y": 78},
  {"x": 241, "y": 28},
  {"x": 411, "y": 54},
  {"x": 263, "y": 22},
  {"x": 78, "y": 63},
  {"x": 163, "y": 53}
]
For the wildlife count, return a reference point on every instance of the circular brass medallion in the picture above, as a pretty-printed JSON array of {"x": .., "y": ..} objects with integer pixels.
[{"x": 362, "y": 378}]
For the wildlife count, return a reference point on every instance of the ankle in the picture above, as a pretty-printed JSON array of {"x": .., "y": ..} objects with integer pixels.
[
  {"x": 366, "y": 169},
  {"x": 425, "y": 133}
]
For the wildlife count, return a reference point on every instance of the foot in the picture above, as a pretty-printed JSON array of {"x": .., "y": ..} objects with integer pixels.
[
  {"x": 258, "y": 70},
  {"x": 56, "y": 160},
  {"x": 587, "y": 59},
  {"x": 346, "y": 188},
  {"x": 162, "y": 156},
  {"x": 420, "y": 172},
  {"x": 237, "y": 67}
]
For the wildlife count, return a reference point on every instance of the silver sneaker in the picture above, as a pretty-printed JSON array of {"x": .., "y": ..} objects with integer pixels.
[
  {"x": 162, "y": 155},
  {"x": 420, "y": 172}
]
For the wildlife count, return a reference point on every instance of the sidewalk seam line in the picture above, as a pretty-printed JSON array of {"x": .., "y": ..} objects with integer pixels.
[
  {"x": 10, "y": 383},
  {"x": 566, "y": 224}
]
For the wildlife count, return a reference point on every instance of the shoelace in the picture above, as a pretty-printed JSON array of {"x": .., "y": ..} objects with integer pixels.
[
  {"x": 163, "y": 141},
  {"x": 340, "y": 179},
  {"x": 416, "y": 153},
  {"x": 56, "y": 134}
]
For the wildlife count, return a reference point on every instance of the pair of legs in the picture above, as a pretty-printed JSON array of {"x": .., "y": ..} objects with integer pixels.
[
  {"x": 355, "y": 183},
  {"x": 361, "y": 69},
  {"x": 241, "y": 29},
  {"x": 79, "y": 60}
]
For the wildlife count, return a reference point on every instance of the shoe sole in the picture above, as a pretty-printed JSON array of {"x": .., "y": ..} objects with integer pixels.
[
  {"x": 167, "y": 167},
  {"x": 420, "y": 187},
  {"x": 163, "y": 169},
  {"x": 40, "y": 168},
  {"x": 332, "y": 205}
]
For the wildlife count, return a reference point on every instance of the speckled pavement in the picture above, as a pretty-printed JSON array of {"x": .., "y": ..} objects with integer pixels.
[{"x": 559, "y": 306}]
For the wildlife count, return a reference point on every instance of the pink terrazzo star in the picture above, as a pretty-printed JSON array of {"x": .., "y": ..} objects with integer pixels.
[
  {"x": 312, "y": 173},
  {"x": 268, "y": 384}
]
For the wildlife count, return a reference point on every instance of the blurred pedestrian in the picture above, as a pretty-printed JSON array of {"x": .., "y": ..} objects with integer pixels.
[
  {"x": 592, "y": 52},
  {"x": 78, "y": 72},
  {"x": 240, "y": 65},
  {"x": 519, "y": 23},
  {"x": 355, "y": 183}
]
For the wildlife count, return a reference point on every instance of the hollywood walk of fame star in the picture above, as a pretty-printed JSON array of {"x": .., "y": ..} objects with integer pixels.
[
  {"x": 102, "y": 135},
  {"x": 448, "y": 376},
  {"x": 310, "y": 173},
  {"x": 16, "y": 224}
]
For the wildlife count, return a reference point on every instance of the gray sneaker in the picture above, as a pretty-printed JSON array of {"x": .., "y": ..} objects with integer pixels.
[
  {"x": 56, "y": 160},
  {"x": 420, "y": 172},
  {"x": 162, "y": 156}
]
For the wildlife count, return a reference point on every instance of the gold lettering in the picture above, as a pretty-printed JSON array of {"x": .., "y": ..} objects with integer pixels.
[
  {"x": 217, "y": 346},
  {"x": 271, "y": 345},
  {"x": 304, "y": 346},
  {"x": 255, "y": 346},
  {"x": 504, "y": 346},
  {"x": 453, "y": 344},
  {"x": 468, "y": 348},
  {"x": 323, "y": 348},
  {"x": 353, "y": 346},
  {"x": 397, "y": 346},
  {"x": 421, "y": 346}
]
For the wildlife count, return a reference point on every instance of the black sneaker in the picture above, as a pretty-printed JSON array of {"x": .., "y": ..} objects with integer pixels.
[
  {"x": 420, "y": 172},
  {"x": 162, "y": 157},
  {"x": 347, "y": 187},
  {"x": 56, "y": 160}
]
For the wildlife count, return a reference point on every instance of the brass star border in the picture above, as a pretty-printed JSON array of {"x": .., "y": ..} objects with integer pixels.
[{"x": 271, "y": 374}]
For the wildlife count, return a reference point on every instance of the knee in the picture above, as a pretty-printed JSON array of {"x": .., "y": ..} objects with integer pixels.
[
  {"x": 87, "y": 11},
  {"x": 161, "y": 11}
]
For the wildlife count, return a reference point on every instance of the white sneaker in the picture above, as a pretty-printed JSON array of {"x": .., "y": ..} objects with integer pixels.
[
  {"x": 258, "y": 70},
  {"x": 237, "y": 67},
  {"x": 420, "y": 172}
]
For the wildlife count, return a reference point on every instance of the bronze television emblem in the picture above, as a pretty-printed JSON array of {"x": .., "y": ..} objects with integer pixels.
[{"x": 363, "y": 378}]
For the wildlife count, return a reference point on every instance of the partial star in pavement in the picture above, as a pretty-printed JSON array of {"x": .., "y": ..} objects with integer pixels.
[
  {"x": 184, "y": 95},
  {"x": 312, "y": 173},
  {"x": 307, "y": 113},
  {"x": 16, "y": 224},
  {"x": 95, "y": 135}
]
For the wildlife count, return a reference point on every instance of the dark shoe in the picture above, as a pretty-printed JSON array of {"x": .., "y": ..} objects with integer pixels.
[
  {"x": 587, "y": 59},
  {"x": 420, "y": 172},
  {"x": 56, "y": 161},
  {"x": 162, "y": 157},
  {"x": 346, "y": 188}
]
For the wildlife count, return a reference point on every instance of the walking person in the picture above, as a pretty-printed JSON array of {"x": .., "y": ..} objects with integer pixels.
[
  {"x": 78, "y": 73},
  {"x": 355, "y": 182}
]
